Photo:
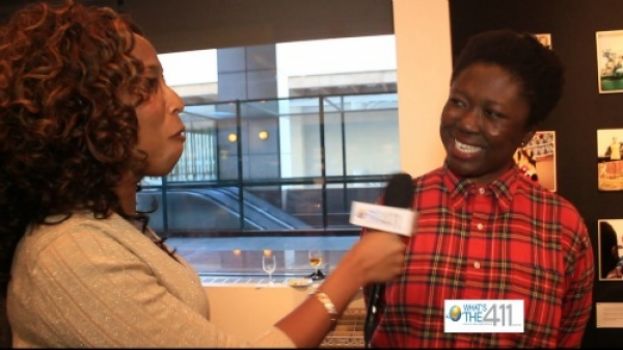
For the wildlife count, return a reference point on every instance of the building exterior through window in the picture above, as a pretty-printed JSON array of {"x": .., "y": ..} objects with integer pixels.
[{"x": 281, "y": 138}]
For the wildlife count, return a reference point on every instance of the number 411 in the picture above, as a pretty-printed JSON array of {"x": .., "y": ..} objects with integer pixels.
[{"x": 505, "y": 310}]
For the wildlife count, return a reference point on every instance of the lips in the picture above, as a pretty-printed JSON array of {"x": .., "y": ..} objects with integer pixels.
[{"x": 180, "y": 135}]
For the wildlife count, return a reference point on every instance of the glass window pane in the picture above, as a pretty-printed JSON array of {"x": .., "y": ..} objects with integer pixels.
[
  {"x": 338, "y": 206},
  {"x": 336, "y": 66},
  {"x": 299, "y": 146},
  {"x": 192, "y": 74},
  {"x": 287, "y": 207},
  {"x": 371, "y": 134},
  {"x": 252, "y": 166},
  {"x": 334, "y": 143},
  {"x": 149, "y": 201},
  {"x": 270, "y": 208},
  {"x": 192, "y": 210},
  {"x": 351, "y": 123},
  {"x": 235, "y": 258},
  {"x": 260, "y": 139},
  {"x": 305, "y": 203},
  {"x": 151, "y": 181}
]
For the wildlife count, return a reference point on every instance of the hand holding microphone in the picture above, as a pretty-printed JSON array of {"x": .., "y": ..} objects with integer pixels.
[
  {"x": 376, "y": 257},
  {"x": 393, "y": 216},
  {"x": 381, "y": 256},
  {"x": 383, "y": 248}
]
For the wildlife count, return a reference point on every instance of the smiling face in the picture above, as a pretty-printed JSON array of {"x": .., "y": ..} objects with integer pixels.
[
  {"x": 161, "y": 131},
  {"x": 483, "y": 122}
]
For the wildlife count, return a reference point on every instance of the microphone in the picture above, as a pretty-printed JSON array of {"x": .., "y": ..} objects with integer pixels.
[{"x": 392, "y": 216}]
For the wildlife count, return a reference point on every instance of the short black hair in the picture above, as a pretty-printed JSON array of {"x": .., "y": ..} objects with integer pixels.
[{"x": 538, "y": 68}]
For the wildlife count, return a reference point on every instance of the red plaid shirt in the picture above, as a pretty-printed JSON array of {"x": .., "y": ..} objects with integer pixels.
[{"x": 510, "y": 239}]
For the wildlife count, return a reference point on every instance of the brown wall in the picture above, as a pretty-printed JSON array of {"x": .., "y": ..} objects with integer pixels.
[{"x": 206, "y": 24}]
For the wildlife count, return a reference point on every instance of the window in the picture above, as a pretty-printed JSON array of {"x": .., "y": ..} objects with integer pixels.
[{"x": 283, "y": 165}]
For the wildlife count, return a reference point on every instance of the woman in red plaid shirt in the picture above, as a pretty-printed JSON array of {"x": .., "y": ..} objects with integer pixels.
[{"x": 484, "y": 230}]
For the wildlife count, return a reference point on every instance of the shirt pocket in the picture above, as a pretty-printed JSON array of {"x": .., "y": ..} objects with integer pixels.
[{"x": 541, "y": 290}]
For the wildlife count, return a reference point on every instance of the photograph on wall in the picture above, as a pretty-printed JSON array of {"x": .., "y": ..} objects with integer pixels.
[
  {"x": 545, "y": 39},
  {"x": 610, "y": 240},
  {"x": 610, "y": 61},
  {"x": 537, "y": 159},
  {"x": 609, "y": 162}
]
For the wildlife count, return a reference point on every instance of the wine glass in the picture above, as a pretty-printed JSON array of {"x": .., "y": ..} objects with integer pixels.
[
  {"x": 315, "y": 257},
  {"x": 269, "y": 264}
]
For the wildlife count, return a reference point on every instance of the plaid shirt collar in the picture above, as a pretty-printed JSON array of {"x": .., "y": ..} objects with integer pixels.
[{"x": 502, "y": 188}]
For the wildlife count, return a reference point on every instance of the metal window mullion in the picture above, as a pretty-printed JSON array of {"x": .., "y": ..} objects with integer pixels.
[
  {"x": 239, "y": 150},
  {"x": 323, "y": 171},
  {"x": 344, "y": 167}
]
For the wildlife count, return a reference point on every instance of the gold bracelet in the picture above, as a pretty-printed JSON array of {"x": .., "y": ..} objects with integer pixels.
[{"x": 323, "y": 298}]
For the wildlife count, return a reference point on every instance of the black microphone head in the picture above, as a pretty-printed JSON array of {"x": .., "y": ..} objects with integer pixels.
[{"x": 399, "y": 191}]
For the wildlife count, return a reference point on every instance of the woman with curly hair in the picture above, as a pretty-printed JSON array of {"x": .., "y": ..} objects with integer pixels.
[{"x": 84, "y": 115}]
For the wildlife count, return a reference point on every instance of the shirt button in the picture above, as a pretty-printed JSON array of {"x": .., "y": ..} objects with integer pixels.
[
  {"x": 480, "y": 226},
  {"x": 476, "y": 264},
  {"x": 481, "y": 190}
]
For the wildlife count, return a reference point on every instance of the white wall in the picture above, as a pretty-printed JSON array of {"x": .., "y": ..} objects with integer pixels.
[
  {"x": 424, "y": 64},
  {"x": 247, "y": 311}
]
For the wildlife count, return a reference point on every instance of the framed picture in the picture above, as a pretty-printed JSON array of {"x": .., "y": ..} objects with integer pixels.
[
  {"x": 610, "y": 61},
  {"x": 609, "y": 159},
  {"x": 610, "y": 241},
  {"x": 537, "y": 159},
  {"x": 545, "y": 39}
]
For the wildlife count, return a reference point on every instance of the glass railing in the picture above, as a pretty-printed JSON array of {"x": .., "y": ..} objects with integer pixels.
[{"x": 285, "y": 166}]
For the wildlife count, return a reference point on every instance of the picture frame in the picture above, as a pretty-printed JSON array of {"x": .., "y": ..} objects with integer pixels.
[
  {"x": 537, "y": 159},
  {"x": 610, "y": 252},
  {"x": 609, "y": 61},
  {"x": 610, "y": 159}
]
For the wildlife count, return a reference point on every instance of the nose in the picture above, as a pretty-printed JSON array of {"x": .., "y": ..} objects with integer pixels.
[
  {"x": 470, "y": 120},
  {"x": 176, "y": 102}
]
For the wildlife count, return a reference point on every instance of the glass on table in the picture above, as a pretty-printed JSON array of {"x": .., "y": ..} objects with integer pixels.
[
  {"x": 269, "y": 264},
  {"x": 316, "y": 258}
]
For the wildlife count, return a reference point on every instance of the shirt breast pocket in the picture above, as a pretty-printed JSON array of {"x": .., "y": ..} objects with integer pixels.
[{"x": 541, "y": 289}]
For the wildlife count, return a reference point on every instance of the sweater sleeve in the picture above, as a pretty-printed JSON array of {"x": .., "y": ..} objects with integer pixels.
[{"x": 83, "y": 289}]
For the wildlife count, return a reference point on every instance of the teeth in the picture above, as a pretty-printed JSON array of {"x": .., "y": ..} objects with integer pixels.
[{"x": 466, "y": 148}]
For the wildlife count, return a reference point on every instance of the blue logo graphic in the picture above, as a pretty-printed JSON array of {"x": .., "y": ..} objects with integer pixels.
[{"x": 455, "y": 313}]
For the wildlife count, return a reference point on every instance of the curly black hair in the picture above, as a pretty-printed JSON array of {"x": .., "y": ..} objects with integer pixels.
[
  {"x": 538, "y": 68},
  {"x": 68, "y": 131}
]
